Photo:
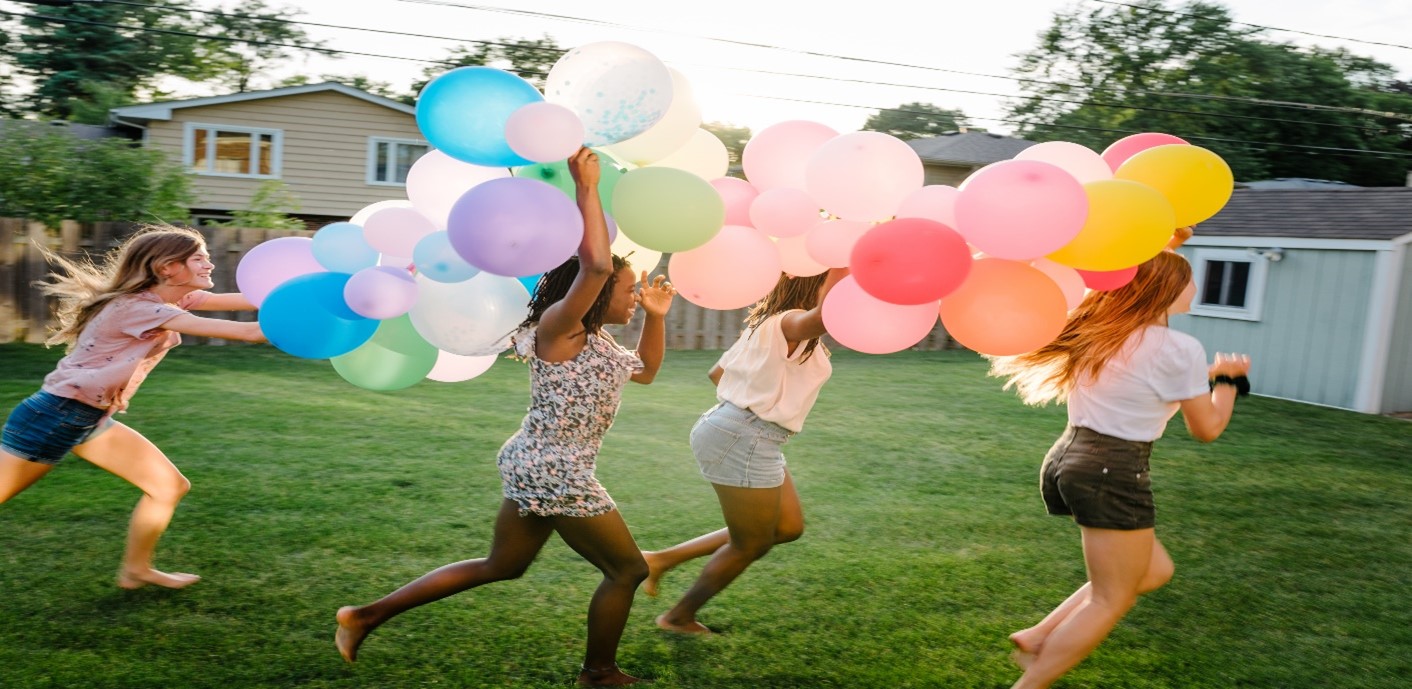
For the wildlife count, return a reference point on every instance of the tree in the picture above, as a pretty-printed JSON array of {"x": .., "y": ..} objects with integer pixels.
[
  {"x": 269, "y": 207},
  {"x": 263, "y": 38},
  {"x": 732, "y": 136},
  {"x": 357, "y": 81},
  {"x": 1101, "y": 73},
  {"x": 916, "y": 120},
  {"x": 531, "y": 59}
]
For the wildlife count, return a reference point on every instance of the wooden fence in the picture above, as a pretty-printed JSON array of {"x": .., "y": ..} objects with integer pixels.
[{"x": 26, "y": 314}]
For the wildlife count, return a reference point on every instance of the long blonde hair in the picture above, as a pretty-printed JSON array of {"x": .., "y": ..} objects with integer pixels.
[
  {"x": 789, "y": 294},
  {"x": 84, "y": 288},
  {"x": 1095, "y": 332}
]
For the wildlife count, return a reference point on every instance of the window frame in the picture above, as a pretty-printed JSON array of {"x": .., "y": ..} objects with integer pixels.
[
  {"x": 370, "y": 171},
  {"x": 189, "y": 149},
  {"x": 1254, "y": 288}
]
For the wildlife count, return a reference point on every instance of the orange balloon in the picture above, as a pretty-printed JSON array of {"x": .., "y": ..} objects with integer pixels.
[{"x": 1004, "y": 308}]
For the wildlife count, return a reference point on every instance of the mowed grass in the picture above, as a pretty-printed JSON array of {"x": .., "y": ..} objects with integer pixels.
[{"x": 926, "y": 541}]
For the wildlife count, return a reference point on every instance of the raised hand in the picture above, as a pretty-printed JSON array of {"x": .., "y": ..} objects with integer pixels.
[
  {"x": 1180, "y": 236},
  {"x": 583, "y": 166},
  {"x": 1233, "y": 365},
  {"x": 656, "y": 296}
]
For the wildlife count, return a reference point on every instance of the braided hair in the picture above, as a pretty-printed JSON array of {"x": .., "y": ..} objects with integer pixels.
[{"x": 554, "y": 285}]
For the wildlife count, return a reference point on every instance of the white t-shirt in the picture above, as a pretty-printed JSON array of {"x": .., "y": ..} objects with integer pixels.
[
  {"x": 1141, "y": 387},
  {"x": 761, "y": 375}
]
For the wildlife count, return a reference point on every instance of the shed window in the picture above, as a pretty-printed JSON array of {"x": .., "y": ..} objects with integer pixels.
[{"x": 1230, "y": 283}]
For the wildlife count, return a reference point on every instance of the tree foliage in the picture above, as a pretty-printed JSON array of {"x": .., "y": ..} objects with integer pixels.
[
  {"x": 263, "y": 35},
  {"x": 1101, "y": 72},
  {"x": 530, "y": 58},
  {"x": 269, "y": 208},
  {"x": 916, "y": 120},
  {"x": 733, "y": 136}
]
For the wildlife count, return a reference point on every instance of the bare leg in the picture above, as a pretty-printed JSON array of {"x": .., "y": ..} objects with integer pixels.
[
  {"x": 17, "y": 474},
  {"x": 1117, "y": 562},
  {"x": 516, "y": 542},
  {"x": 608, "y": 545},
  {"x": 125, "y": 453}
]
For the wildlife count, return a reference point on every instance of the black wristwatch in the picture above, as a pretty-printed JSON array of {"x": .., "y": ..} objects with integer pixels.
[{"x": 1241, "y": 383}]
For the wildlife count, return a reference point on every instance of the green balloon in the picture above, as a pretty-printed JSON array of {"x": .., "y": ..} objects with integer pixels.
[
  {"x": 666, "y": 209},
  {"x": 557, "y": 174},
  {"x": 395, "y": 358}
]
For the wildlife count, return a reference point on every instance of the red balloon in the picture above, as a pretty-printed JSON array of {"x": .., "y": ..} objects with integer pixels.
[
  {"x": 1107, "y": 280},
  {"x": 910, "y": 261}
]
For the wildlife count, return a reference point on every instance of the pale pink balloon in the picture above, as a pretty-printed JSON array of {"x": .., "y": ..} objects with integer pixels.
[
  {"x": 544, "y": 132},
  {"x": 863, "y": 175},
  {"x": 737, "y": 194},
  {"x": 784, "y": 212},
  {"x": 396, "y": 231},
  {"x": 864, "y": 323},
  {"x": 795, "y": 259},
  {"x": 1080, "y": 161},
  {"x": 436, "y": 182},
  {"x": 778, "y": 154},
  {"x": 932, "y": 202},
  {"x": 455, "y": 368},
  {"x": 831, "y": 242},
  {"x": 1068, "y": 279},
  {"x": 1129, "y": 146},
  {"x": 380, "y": 292},
  {"x": 733, "y": 270},
  {"x": 1020, "y": 209},
  {"x": 362, "y": 215}
]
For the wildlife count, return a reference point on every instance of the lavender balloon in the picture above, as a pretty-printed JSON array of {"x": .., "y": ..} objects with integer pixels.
[
  {"x": 515, "y": 226},
  {"x": 271, "y": 263},
  {"x": 380, "y": 292}
]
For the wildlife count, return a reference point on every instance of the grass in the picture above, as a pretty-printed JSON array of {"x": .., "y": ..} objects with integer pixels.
[{"x": 926, "y": 540}]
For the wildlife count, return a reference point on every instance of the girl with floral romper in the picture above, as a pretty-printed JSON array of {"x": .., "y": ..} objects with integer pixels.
[{"x": 577, "y": 373}]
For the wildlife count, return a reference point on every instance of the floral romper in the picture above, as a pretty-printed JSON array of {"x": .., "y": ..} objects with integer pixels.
[{"x": 547, "y": 466}]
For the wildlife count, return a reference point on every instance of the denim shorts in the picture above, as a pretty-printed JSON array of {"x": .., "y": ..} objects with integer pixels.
[
  {"x": 734, "y": 447},
  {"x": 1101, "y": 480},
  {"x": 44, "y": 427}
]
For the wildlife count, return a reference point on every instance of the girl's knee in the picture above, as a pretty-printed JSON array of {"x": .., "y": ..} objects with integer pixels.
[
  {"x": 631, "y": 572},
  {"x": 171, "y": 492},
  {"x": 752, "y": 550},
  {"x": 788, "y": 533},
  {"x": 1157, "y": 576}
]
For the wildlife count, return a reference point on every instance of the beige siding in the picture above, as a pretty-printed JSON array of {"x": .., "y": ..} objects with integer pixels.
[
  {"x": 950, "y": 175},
  {"x": 325, "y": 149}
]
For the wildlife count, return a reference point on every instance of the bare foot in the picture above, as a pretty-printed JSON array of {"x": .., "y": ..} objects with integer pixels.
[
  {"x": 654, "y": 573},
  {"x": 610, "y": 676},
  {"x": 130, "y": 579},
  {"x": 692, "y": 627},
  {"x": 1026, "y": 648},
  {"x": 351, "y": 632}
]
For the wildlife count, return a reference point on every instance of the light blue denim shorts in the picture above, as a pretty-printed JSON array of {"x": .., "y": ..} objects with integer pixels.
[{"x": 734, "y": 447}]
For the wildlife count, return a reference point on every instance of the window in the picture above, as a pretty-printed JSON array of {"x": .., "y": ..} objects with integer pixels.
[
  {"x": 1230, "y": 283},
  {"x": 389, "y": 160},
  {"x": 232, "y": 151}
]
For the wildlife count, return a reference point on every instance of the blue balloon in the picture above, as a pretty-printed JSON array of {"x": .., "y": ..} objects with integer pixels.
[
  {"x": 307, "y": 317},
  {"x": 437, "y": 260},
  {"x": 341, "y": 248},
  {"x": 463, "y": 114},
  {"x": 530, "y": 282}
]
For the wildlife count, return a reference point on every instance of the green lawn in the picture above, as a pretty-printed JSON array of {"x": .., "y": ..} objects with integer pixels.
[{"x": 926, "y": 541}]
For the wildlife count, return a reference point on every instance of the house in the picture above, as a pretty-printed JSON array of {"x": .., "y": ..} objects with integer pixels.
[
  {"x": 950, "y": 158},
  {"x": 336, "y": 148},
  {"x": 1314, "y": 284}
]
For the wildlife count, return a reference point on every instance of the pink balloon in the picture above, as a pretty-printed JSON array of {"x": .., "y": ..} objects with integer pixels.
[
  {"x": 795, "y": 259},
  {"x": 733, "y": 270},
  {"x": 1068, "y": 280},
  {"x": 1107, "y": 280},
  {"x": 1129, "y": 146},
  {"x": 737, "y": 194},
  {"x": 910, "y": 261},
  {"x": 271, "y": 263},
  {"x": 1075, "y": 159},
  {"x": 367, "y": 211},
  {"x": 436, "y": 181},
  {"x": 1004, "y": 308},
  {"x": 864, "y": 323},
  {"x": 784, "y": 212},
  {"x": 544, "y": 132},
  {"x": 933, "y": 202},
  {"x": 396, "y": 231},
  {"x": 863, "y": 175},
  {"x": 1020, "y": 209},
  {"x": 380, "y": 292},
  {"x": 831, "y": 242},
  {"x": 455, "y": 368},
  {"x": 778, "y": 154}
]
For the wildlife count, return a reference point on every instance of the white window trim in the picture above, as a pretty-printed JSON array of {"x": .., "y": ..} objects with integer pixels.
[
  {"x": 1254, "y": 291},
  {"x": 189, "y": 155},
  {"x": 370, "y": 173}
]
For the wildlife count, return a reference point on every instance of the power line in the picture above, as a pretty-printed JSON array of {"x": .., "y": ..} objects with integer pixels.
[{"x": 1163, "y": 10}]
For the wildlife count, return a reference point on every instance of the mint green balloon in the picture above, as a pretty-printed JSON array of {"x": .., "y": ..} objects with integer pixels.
[
  {"x": 395, "y": 358},
  {"x": 666, "y": 209},
  {"x": 557, "y": 174}
]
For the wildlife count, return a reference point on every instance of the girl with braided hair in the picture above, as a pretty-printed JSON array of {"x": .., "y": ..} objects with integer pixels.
[
  {"x": 577, "y": 373},
  {"x": 766, "y": 383}
]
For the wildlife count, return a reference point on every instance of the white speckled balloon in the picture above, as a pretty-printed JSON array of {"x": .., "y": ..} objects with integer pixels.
[{"x": 617, "y": 89}]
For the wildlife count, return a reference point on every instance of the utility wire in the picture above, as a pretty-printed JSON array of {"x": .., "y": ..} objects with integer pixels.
[{"x": 1163, "y": 10}]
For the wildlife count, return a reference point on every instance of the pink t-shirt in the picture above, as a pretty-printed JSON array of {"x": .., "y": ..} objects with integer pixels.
[{"x": 118, "y": 348}]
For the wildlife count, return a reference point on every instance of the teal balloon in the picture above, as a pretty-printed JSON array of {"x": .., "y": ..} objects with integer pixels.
[
  {"x": 306, "y": 316},
  {"x": 666, "y": 209},
  {"x": 395, "y": 358},
  {"x": 530, "y": 282},
  {"x": 463, "y": 114},
  {"x": 557, "y": 174}
]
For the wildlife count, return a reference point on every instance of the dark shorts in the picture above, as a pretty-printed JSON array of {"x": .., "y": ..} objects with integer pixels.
[
  {"x": 1102, "y": 481},
  {"x": 44, "y": 427}
]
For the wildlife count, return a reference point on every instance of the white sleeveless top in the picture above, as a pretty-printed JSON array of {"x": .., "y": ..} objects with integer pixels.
[{"x": 762, "y": 376}]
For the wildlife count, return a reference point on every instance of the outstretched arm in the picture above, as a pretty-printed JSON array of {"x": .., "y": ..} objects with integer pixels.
[
  {"x": 232, "y": 301},
  {"x": 656, "y": 299},
  {"x": 200, "y": 326},
  {"x": 564, "y": 319},
  {"x": 807, "y": 325},
  {"x": 1207, "y": 416}
]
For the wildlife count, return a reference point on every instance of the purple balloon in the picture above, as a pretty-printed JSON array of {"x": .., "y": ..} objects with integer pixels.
[
  {"x": 380, "y": 292},
  {"x": 272, "y": 263},
  {"x": 515, "y": 226}
]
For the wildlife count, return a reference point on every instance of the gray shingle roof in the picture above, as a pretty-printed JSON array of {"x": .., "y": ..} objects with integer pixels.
[
  {"x": 1382, "y": 213},
  {"x": 968, "y": 148}
]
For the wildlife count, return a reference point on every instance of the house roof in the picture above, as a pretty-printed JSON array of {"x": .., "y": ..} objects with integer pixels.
[
  {"x": 968, "y": 148},
  {"x": 1294, "y": 183},
  {"x": 163, "y": 110},
  {"x": 1380, "y": 213}
]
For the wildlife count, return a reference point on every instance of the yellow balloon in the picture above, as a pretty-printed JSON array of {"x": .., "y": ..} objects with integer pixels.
[
  {"x": 1127, "y": 224},
  {"x": 1197, "y": 182}
]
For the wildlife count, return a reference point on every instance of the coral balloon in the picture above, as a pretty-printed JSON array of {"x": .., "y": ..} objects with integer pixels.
[
  {"x": 436, "y": 181},
  {"x": 910, "y": 261},
  {"x": 733, "y": 270},
  {"x": 1107, "y": 280},
  {"x": 666, "y": 209},
  {"x": 831, "y": 242},
  {"x": 784, "y": 212},
  {"x": 1075, "y": 159},
  {"x": 737, "y": 194},
  {"x": 932, "y": 202},
  {"x": 1020, "y": 209},
  {"x": 269, "y": 264},
  {"x": 778, "y": 154},
  {"x": 544, "y": 132},
  {"x": 1127, "y": 224},
  {"x": 1197, "y": 182},
  {"x": 864, "y": 323},
  {"x": 515, "y": 227},
  {"x": 617, "y": 89},
  {"x": 463, "y": 114},
  {"x": 1068, "y": 279},
  {"x": 395, "y": 358},
  {"x": 1119, "y": 151},
  {"x": 1004, "y": 308},
  {"x": 863, "y": 175}
]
